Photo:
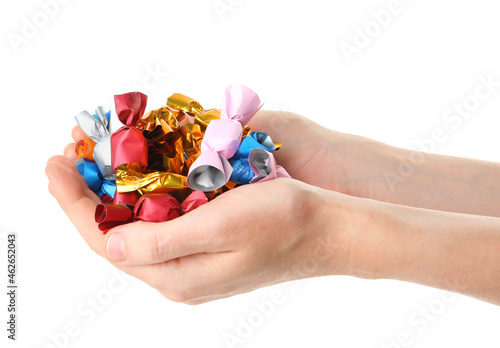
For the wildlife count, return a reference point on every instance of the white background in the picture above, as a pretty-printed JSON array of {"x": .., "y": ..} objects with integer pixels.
[{"x": 396, "y": 90}]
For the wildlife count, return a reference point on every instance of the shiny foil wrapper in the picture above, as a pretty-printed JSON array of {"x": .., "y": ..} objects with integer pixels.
[
  {"x": 126, "y": 198},
  {"x": 85, "y": 149},
  {"x": 130, "y": 107},
  {"x": 193, "y": 201},
  {"x": 242, "y": 172},
  {"x": 128, "y": 145},
  {"x": 173, "y": 154},
  {"x": 264, "y": 166},
  {"x": 97, "y": 147},
  {"x": 180, "y": 103},
  {"x": 158, "y": 124},
  {"x": 192, "y": 136},
  {"x": 129, "y": 178},
  {"x": 222, "y": 138},
  {"x": 206, "y": 117},
  {"x": 108, "y": 216},
  {"x": 157, "y": 207}
]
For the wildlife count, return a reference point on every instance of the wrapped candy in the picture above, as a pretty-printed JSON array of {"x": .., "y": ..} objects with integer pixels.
[
  {"x": 193, "y": 201},
  {"x": 85, "y": 149},
  {"x": 212, "y": 170},
  {"x": 156, "y": 207},
  {"x": 108, "y": 216},
  {"x": 126, "y": 198},
  {"x": 97, "y": 129},
  {"x": 128, "y": 144},
  {"x": 264, "y": 166},
  {"x": 108, "y": 187},
  {"x": 131, "y": 178},
  {"x": 169, "y": 161},
  {"x": 242, "y": 172},
  {"x": 90, "y": 173},
  {"x": 94, "y": 154}
]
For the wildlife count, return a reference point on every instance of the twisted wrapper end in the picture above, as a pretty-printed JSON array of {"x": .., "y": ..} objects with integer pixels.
[
  {"x": 240, "y": 104},
  {"x": 209, "y": 172},
  {"x": 264, "y": 166}
]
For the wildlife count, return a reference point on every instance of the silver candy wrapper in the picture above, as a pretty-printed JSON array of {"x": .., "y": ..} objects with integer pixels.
[{"x": 97, "y": 129}]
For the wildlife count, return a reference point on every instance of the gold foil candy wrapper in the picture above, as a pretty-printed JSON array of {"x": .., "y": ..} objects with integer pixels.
[
  {"x": 159, "y": 133},
  {"x": 193, "y": 154},
  {"x": 163, "y": 117},
  {"x": 203, "y": 119},
  {"x": 246, "y": 131},
  {"x": 192, "y": 136},
  {"x": 173, "y": 153},
  {"x": 179, "y": 102},
  {"x": 229, "y": 185},
  {"x": 129, "y": 177}
]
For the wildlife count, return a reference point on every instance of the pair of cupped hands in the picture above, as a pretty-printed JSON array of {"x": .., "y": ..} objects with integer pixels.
[{"x": 249, "y": 237}]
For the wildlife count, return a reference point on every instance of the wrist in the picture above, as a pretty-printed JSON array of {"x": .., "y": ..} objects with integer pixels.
[
  {"x": 361, "y": 235},
  {"x": 340, "y": 241}
]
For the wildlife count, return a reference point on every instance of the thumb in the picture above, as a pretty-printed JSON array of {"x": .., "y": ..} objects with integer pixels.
[{"x": 144, "y": 243}]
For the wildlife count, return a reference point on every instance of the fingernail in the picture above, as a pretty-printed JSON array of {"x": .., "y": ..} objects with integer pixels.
[{"x": 116, "y": 248}]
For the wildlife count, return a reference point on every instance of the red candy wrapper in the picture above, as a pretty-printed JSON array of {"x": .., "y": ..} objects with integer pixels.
[
  {"x": 193, "y": 201},
  {"x": 156, "y": 207},
  {"x": 128, "y": 145},
  {"x": 112, "y": 215}
]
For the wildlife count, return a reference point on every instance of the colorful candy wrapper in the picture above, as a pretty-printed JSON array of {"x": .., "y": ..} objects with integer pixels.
[
  {"x": 193, "y": 201},
  {"x": 242, "y": 172},
  {"x": 90, "y": 173},
  {"x": 264, "y": 166},
  {"x": 108, "y": 216},
  {"x": 222, "y": 138},
  {"x": 128, "y": 144},
  {"x": 94, "y": 155},
  {"x": 156, "y": 207},
  {"x": 169, "y": 161}
]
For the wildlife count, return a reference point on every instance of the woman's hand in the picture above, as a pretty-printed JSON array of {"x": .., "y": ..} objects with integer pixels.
[
  {"x": 253, "y": 236},
  {"x": 265, "y": 233},
  {"x": 249, "y": 237}
]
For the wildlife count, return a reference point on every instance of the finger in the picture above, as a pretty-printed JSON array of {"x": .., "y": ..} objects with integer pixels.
[
  {"x": 200, "y": 276},
  {"x": 143, "y": 243},
  {"x": 78, "y": 134},
  {"x": 76, "y": 199},
  {"x": 69, "y": 152},
  {"x": 69, "y": 165}
]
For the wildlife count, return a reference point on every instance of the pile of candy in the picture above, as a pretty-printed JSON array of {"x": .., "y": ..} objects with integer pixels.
[{"x": 171, "y": 160}]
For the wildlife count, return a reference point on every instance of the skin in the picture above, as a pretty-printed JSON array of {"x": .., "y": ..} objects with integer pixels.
[{"x": 339, "y": 215}]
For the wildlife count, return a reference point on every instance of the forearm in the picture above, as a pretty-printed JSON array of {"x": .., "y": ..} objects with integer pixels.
[
  {"x": 418, "y": 179},
  {"x": 455, "y": 252}
]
